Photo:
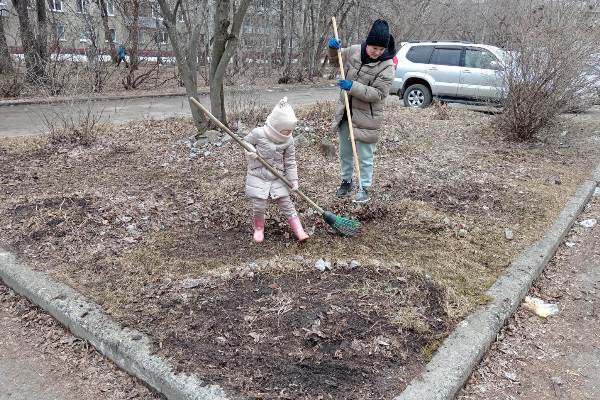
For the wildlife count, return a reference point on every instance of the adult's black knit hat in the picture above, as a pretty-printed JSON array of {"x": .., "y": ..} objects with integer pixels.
[{"x": 379, "y": 35}]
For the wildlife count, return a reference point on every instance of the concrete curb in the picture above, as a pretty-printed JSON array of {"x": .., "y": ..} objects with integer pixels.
[
  {"x": 444, "y": 375},
  {"x": 8, "y": 103},
  {"x": 455, "y": 360},
  {"x": 596, "y": 175},
  {"x": 129, "y": 349},
  {"x": 203, "y": 92}
]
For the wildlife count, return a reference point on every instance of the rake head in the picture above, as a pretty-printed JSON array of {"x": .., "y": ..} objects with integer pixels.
[{"x": 344, "y": 226}]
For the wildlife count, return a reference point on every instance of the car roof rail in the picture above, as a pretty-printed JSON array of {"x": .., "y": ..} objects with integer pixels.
[{"x": 441, "y": 41}]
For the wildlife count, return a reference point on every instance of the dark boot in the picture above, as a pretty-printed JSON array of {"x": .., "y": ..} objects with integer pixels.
[
  {"x": 344, "y": 189},
  {"x": 362, "y": 196}
]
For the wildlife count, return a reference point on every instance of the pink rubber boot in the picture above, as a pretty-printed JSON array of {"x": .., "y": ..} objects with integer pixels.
[
  {"x": 297, "y": 228},
  {"x": 259, "y": 229}
]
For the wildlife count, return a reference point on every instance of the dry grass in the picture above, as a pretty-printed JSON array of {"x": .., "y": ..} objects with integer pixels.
[{"x": 128, "y": 218}]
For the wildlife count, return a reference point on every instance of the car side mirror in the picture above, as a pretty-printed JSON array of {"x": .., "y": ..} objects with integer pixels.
[{"x": 493, "y": 64}]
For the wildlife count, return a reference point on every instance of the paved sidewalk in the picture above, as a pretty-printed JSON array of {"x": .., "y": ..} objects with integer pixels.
[
  {"x": 557, "y": 358},
  {"x": 20, "y": 120},
  {"x": 39, "y": 360}
]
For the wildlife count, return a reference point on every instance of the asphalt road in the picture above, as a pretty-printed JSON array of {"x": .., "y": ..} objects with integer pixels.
[{"x": 21, "y": 120}]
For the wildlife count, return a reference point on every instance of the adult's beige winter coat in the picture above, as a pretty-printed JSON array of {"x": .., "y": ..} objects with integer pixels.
[{"x": 371, "y": 85}]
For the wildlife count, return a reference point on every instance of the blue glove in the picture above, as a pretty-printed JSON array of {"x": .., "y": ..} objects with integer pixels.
[
  {"x": 333, "y": 43},
  {"x": 345, "y": 84}
]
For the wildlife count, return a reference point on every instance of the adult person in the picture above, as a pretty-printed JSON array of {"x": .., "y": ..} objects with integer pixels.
[{"x": 369, "y": 72}]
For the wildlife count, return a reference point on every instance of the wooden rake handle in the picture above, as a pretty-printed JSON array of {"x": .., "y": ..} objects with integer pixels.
[
  {"x": 258, "y": 157},
  {"x": 347, "y": 103}
]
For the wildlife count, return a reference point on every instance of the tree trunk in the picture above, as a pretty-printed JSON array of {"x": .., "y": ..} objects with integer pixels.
[
  {"x": 224, "y": 45},
  {"x": 134, "y": 36},
  {"x": 290, "y": 50},
  {"x": 95, "y": 63},
  {"x": 41, "y": 41},
  {"x": 135, "y": 40},
  {"x": 5, "y": 63},
  {"x": 187, "y": 59},
  {"x": 221, "y": 28},
  {"x": 104, "y": 13},
  {"x": 282, "y": 40},
  {"x": 36, "y": 72}
]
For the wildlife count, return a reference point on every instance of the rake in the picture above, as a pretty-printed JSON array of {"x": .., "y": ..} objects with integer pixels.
[
  {"x": 344, "y": 226},
  {"x": 348, "y": 110}
]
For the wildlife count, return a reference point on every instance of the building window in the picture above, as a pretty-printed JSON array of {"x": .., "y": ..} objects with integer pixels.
[
  {"x": 60, "y": 33},
  {"x": 113, "y": 36},
  {"x": 180, "y": 16},
  {"x": 161, "y": 37},
  {"x": 81, "y": 6},
  {"x": 110, "y": 8},
  {"x": 84, "y": 37},
  {"x": 155, "y": 9},
  {"x": 56, "y": 5}
]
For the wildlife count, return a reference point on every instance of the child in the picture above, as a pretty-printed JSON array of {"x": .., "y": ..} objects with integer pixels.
[
  {"x": 369, "y": 73},
  {"x": 274, "y": 143}
]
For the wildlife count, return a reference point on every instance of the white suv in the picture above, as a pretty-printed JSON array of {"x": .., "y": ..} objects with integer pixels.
[{"x": 451, "y": 71}]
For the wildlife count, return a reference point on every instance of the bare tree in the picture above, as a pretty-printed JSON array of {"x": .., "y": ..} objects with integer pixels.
[
  {"x": 36, "y": 53},
  {"x": 281, "y": 31},
  {"x": 134, "y": 37},
  {"x": 89, "y": 23},
  {"x": 225, "y": 40},
  {"x": 186, "y": 49},
  {"x": 5, "y": 63},
  {"x": 41, "y": 39},
  {"x": 553, "y": 46},
  {"x": 103, "y": 7},
  {"x": 130, "y": 10}
]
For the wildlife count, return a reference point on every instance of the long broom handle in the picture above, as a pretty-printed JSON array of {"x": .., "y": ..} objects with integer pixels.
[
  {"x": 258, "y": 157},
  {"x": 347, "y": 103}
]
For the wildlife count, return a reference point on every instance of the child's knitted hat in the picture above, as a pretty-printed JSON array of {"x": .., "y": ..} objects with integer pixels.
[{"x": 282, "y": 117}]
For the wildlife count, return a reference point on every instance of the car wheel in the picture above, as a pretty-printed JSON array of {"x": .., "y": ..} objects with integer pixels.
[{"x": 417, "y": 96}]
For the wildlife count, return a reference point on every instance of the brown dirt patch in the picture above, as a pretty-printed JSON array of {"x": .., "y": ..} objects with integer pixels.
[{"x": 300, "y": 334}]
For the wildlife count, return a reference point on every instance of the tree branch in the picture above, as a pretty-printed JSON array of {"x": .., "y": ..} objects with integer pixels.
[{"x": 176, "y": 8}]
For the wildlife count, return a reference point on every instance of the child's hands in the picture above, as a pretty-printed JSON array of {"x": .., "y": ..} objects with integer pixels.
[
  {"x": 294, "y": 185},
  {"x": 251, "y": 154}
]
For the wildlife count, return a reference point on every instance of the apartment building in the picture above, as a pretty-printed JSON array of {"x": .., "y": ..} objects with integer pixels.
[{"x": 75, "y": 25}]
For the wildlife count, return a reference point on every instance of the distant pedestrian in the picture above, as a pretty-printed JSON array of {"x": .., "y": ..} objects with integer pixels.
[{"x": 121, "y": 56}]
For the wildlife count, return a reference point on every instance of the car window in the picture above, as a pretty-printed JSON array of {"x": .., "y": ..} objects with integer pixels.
[
  {"x": 481, "y": 58},
  {"x": 446, "y": 56},
  {"x": 419, "y": 54}
]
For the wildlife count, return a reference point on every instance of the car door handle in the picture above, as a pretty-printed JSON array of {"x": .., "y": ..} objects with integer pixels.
[
  {"x": 466, "y": 71},
  {"x": 433, "y": 69}
]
